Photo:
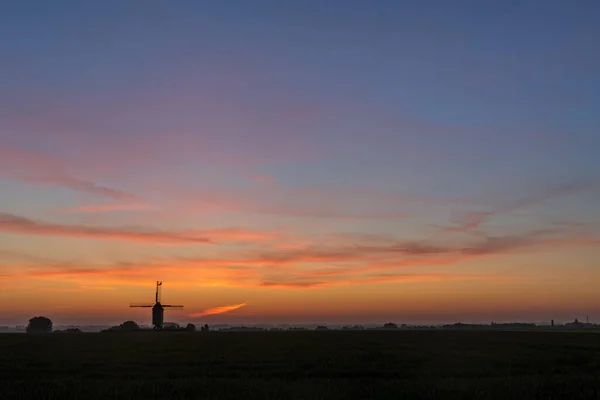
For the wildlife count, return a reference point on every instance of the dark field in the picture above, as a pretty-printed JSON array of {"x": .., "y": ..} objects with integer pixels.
[{"x": 302, "y": 365}]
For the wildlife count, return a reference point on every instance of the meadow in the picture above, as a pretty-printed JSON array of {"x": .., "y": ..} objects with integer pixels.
[{"x": 302, "y": 365}]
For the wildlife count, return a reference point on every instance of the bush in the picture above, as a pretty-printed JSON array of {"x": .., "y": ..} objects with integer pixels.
[{"x": 39, "y": 325}]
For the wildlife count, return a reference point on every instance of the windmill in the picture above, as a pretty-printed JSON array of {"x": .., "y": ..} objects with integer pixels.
[{"x": 158, "y": 309}]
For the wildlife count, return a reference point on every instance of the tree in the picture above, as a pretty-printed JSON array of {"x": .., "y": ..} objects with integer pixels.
[
  {"x": 129, "y": 326},
  {"x": 205, "y": 328},
  {"x": 390, "y": 325},
  {"x": 39, "y": 325},
  {"x": 191, "y": 327}
]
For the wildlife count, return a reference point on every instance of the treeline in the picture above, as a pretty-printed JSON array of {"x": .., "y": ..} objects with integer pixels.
[
  {"x": 509, "y": 325},
  {"x": 44, "y": 325},
  {"x": 387, "y": 326},
  {"x": 132, "y": 326}
]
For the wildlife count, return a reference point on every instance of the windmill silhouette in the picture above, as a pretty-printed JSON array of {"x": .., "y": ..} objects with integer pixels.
[{"x": 158, "y": 309}]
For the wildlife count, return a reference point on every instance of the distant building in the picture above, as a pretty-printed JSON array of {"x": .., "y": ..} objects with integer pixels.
[
  {"x": 171, "y": 325},
  {"x": 353, "y": 328},
  {"x": 575, "y": 324}
]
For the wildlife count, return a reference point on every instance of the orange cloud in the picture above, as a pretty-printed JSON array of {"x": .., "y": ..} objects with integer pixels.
[
  {"x": 217, "y": 310},
  {"x": 78, "y": 289},
  {"x": 307, "y": 266},
  {"x": 390, "y": 278},
  {"x": 383, "y": 266},
  {"x": 253, "y": 273}
]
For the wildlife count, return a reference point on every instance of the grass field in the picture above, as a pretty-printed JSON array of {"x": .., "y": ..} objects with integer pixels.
[{"x": 302, "y": 365}]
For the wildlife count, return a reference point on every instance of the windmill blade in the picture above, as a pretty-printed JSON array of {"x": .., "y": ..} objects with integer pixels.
[
  {"x": 146, "y": 305},
  {"x": 171, "y": 306}
]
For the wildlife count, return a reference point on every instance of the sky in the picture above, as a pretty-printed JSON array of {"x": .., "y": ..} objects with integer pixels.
[{"x": 299, "y": 162}]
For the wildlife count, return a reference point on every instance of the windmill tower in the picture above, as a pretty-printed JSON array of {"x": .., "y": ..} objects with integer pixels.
[{"x": 158, "y": 309}]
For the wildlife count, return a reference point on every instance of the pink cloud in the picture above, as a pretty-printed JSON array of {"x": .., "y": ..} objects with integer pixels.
[
  {"x": 16, "y": 224},
  {"x": 242, "y": 235},
  {"x": 110, "y": 207},
  {"x": 35, "y": 167},
  {"x": 474, "y": 220},
  {"x": 351, "y": 204},
  {"x": 197, "y": 125}
]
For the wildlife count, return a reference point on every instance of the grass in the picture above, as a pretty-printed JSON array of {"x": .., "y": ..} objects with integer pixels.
[{"x": 302, "y": 365}]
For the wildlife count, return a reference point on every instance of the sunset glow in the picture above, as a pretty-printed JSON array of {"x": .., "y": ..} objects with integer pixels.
[{"x": 274, "y": 165}]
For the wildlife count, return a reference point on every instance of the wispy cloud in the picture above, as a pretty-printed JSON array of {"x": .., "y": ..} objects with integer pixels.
[
  {"x": 474, "y": 220},
  {"x": 321, "y": 264},
  {"x": 217, "y": 310},
  {"x": 97, "y": 208},
  {"x": 382, "y": 278},
  {"x": 81, "y": 185},
  {"x": 242, "y": 235},
  {"x": 349, "y": 204},
  {"x": 16, "y": 224},
  {"x": 36, "y": 167},
  {"x": 307, "y": 202}
]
